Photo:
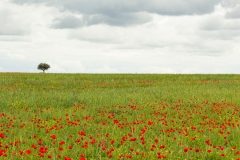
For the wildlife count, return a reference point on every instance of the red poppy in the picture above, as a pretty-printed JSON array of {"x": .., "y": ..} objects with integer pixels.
[
  {"x": 53, "y": 136},
  {"x": 185, "y": 149},
  {"x": 1, "y": 135},
  {"x": 209, "y": 150},
  {"x": 28, "y": 151}
]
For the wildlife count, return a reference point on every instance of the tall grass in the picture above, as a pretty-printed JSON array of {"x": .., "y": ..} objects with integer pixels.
[{"x": 60, "y": 90}]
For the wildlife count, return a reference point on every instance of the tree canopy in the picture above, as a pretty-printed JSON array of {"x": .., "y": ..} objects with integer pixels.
[{"x": 43, "y": 66}]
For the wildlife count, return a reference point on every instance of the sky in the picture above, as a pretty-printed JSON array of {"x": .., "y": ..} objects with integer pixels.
[{"x": 120, "y": 36}]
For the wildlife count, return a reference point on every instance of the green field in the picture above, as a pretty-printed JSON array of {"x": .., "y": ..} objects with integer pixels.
[{"x": 119, "y": 116}]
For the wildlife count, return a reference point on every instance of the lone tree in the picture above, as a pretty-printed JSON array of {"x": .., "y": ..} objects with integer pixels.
[{"x": 43, "y": 66}]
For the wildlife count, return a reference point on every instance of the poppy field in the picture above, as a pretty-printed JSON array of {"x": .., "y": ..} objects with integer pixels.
[{"x": 119, "y": 116}]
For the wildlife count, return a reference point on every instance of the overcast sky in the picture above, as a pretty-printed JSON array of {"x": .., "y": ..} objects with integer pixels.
[{"x": 120, "y": 36}]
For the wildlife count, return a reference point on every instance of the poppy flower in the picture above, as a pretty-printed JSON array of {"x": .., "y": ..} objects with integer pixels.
[{"x": 185, "y": 149}]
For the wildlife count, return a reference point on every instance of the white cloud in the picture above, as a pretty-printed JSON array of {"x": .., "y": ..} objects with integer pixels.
[
  {"x": 97, "y": 34},
  {"x": 106, "y": 69},
  {"x": 16, "y": 38},
  {"x": 72, "y": 66},
  {"x": 234, "y": 13},
  {"x": 121, "y": 12},
  {"x": 230, "y": 3},
  {"x": 152, "y": 69},
  {"x": 16, "y": 56},
  {"x": 12, "y": 23},
  {"x": 177, "y": 38},
  {"x": 67, "y": 21},
  {"x": 117, "y": 6}
]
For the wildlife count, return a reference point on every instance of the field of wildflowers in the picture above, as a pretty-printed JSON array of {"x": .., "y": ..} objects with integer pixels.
[{"x": 119, "y": 116}]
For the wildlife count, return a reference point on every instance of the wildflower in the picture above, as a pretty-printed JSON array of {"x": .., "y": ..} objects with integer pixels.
[
  {"x": 82, "y": 155},
  {"x": 197, "y": 150},
  {"x": 2, "y": 152},
  {"x": 208, "y": 142},
  {"x": 133, "y": 139},
  {"x": 53, "y": 137},
  {"x": 150, "y": 123},
  {"x": 162, "y": 146},
  {"x": 33, "y": 146},
  {"x": 185, "y": 149},
  {"x": 112, "y": 141},
  {"x": 28, "y": 151},
  {"x": 209, "y": 151},
  {"x": 61, "y": 143},
  {"x": 1, "y": 135}
]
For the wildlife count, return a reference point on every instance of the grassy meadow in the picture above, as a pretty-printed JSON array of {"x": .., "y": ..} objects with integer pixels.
[{"x": 119, "y": 116}]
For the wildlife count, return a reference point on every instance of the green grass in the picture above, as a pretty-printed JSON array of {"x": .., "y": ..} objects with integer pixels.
[
  {"x": 113, "y": 89},
  {"x": 33, "y": 104}
]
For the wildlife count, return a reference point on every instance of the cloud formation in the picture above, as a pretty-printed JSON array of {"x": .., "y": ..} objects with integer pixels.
[
  {"x": 109, "y": 7},
  {"x": 122, "y": 19},
  {"x": 11, "y": 22},
  {"x": 67, "y": 22},
  {"x": 121, "y": 12},
  {"x": 233, "y": 14},
  {"x": 120, "y": 36}
]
